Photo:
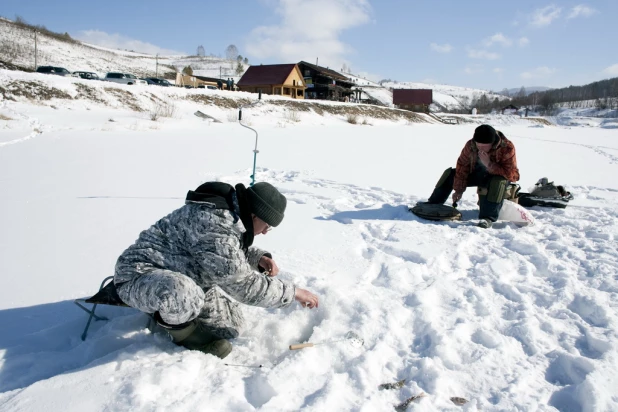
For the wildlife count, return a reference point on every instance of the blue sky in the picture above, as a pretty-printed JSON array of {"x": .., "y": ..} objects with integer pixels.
[{"x": 475, "y": 43}]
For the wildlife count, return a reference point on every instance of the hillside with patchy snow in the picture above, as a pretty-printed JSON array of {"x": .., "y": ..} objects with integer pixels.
[{"x": 17, "y": 47}]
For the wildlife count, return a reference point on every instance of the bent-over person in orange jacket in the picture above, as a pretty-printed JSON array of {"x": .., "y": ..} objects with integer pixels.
[{"x": 487, "y": 161}]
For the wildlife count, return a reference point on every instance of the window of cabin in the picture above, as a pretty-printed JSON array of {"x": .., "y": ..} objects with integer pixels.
[
  {"x": 299, "y": 92},
  {"x": 286, "y": 91}
]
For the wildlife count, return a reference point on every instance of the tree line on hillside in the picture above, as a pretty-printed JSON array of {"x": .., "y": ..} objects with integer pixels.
[
  {"x": 39, "y": 28},
  {"x": 603, "y": 93}
]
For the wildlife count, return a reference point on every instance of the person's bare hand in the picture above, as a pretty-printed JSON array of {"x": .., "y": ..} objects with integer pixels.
[
  {"x": 269, "y": 266},
  {"x": 306, "y": 298},
  {"x": 484, "y": 158},
  {"x": 457, "y": 197}
]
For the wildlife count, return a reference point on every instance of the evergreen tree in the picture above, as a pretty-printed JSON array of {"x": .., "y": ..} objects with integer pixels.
[{"x": 239, "y": 69}]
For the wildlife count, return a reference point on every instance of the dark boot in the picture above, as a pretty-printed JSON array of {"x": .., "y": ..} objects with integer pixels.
[
  {"x": 485, "y": 223},
  {"x": 193, "y": 335}
]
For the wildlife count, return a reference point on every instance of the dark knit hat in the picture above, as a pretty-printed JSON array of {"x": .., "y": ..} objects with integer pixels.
[
  {"x": 267, "y": 203},
  {"x": 485, "y": 134}
]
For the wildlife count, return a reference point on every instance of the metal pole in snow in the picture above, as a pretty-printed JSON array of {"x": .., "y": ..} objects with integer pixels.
[
  {"x": 35, "y": 51},
  {"x": 255, "y": 150}
]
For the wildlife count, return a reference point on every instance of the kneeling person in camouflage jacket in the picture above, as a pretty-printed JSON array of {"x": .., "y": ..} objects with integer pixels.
[{"x": 184, "y": 267}]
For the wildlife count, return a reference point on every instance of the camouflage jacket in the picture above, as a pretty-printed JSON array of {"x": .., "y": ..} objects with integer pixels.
[
  {"x": 502, "y": 158},
  {"x": 204, "y": 244}
]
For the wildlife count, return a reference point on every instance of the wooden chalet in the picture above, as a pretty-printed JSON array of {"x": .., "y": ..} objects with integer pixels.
[
  {"x": 183, "y": 80},
  {"x": 416, "y": 100},
  {"x": 324, "y": 83},
  {"x": 276, "y": 79}
]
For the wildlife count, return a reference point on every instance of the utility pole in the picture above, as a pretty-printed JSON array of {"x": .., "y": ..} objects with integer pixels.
[
  {"x": 316, "y": 61},
  {"x": 157, "y": 69},
  {"x": 35, "y": 51},
  {"x": 219, "y": 72}
]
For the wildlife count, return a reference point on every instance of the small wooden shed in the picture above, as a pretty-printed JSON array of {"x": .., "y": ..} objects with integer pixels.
[{"x": 416, "y": 100}]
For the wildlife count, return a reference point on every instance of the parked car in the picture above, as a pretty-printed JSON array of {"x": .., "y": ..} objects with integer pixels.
[
  {"x": 207, "y": 86},
  {"x": 137, "y": 80},
  {"x": 123, "y": 78},
  {"x": 158, "y": 82},
  {"x": 58, "y": 71},
  {"x": 87, "y": 75}
]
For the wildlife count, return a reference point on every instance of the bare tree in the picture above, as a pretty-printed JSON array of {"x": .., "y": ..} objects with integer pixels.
[
  {"x": 245, "y": 61},
  {"x": 200, "y": 51},
  {"x": 231, "y": 52},
  {"x": 188, "y": 71}
]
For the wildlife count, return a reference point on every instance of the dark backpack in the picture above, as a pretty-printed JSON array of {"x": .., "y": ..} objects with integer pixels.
[
  {"x": 219, "y": 195},
  {"x": 547, "y": 194}
]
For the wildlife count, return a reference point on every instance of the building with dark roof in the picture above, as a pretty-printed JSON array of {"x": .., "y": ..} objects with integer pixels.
[
  {"x": 324, "y": 83},
  {"x": 276, "y": 79},
  {"x": 416, "y": 100}
]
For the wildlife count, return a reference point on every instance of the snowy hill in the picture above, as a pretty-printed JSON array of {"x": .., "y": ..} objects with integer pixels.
[
  {"x": 509, "y": 318},
  {"x": 17, "y": 47},
  {"x": 447, "y": 97}
]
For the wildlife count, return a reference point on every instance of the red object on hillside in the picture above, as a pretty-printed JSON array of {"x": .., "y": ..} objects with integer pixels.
[{"x": 409, "y": 97}]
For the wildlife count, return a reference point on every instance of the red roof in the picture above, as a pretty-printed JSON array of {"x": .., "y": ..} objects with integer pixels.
[
  {"x": 266, "y": 74},
  {"x": 412, "y": 96}
]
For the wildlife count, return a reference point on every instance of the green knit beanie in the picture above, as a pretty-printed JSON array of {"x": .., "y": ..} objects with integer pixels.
[{"x": 267, "y": 203}]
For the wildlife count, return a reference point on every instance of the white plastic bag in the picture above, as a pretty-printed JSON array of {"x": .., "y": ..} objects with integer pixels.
[{"x": 512, "y": 212}]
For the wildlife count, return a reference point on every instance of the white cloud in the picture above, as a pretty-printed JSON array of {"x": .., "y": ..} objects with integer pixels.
[
  {"x": 544, "y": 17},
  {"x": 474, "y": 69},
  {"x": 538, "y": 73},
  {"x": 118, "y": 41},
  {"x": 498, "y": 38},
  {"x": 441, "y": 48},
  {"x": 293, "y": 39},
  {"x": 523, "y": 41},
  {"x": 612, "y": 70},
  {"x": 581, "y": 10},
  {"x": 498, "y": 70},
  {"x": 482, "y": 54}
]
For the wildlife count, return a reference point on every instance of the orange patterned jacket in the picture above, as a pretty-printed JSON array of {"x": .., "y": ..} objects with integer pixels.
[{"x": 503, "y": 162}]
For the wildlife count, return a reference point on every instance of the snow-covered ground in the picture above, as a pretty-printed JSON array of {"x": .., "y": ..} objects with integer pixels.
[{"x": 508, "y": 318}]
